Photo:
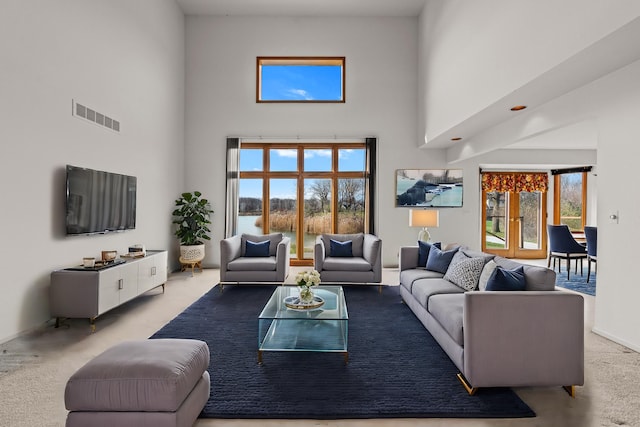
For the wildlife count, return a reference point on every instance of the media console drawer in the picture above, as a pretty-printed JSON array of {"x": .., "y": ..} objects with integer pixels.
[{"x": 75, "y": 293}]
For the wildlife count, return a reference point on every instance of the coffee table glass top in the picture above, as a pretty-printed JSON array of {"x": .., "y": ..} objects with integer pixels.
[{"x": 323, "y": 329}]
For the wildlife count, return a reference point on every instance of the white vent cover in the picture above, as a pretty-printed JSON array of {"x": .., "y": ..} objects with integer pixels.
[{"x": 91, "y": 115}]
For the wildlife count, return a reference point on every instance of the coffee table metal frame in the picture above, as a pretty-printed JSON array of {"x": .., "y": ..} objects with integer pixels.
[{"x": 323, "y": 329}]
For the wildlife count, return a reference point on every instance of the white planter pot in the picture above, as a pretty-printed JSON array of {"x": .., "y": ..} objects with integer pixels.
[{"x": 192, "y": 253}]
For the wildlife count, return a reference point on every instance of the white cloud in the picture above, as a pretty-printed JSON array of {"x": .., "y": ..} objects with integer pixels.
[
  {"x": 344, "y": 153},
  {"x": 308, "y": 154},
  {"x": 287, "y": 153},
  {"x": 300, "y": 93}
]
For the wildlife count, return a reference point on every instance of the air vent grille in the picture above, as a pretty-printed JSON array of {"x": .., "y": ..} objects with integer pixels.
[{"x": 89, "y": 114}]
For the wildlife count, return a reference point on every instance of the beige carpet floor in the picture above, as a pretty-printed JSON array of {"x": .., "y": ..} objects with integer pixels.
[{"x": 34, "y": 369}]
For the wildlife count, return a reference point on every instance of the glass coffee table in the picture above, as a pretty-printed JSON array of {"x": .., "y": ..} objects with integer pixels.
[{"x": 323, "y": 329}]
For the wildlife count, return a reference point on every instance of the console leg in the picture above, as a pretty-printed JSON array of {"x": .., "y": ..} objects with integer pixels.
[
  {"x": 57, "y": 322},
  {"x": 92, "y": 321},
  {"x": 466, "y": 385}
]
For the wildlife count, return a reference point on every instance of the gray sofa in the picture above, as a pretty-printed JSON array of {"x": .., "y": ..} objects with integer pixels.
[
  {"x": 235, "y": 267},
  {"x": 533, "y": 337},
  {"x": 364, "y": 266}
]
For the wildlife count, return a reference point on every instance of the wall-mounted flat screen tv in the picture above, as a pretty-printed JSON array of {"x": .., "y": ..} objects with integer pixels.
[{"x": 99, "y": 202}]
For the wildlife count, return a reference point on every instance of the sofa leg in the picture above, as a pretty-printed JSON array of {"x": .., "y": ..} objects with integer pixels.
[
  {"x": 466, "y": 385},
  {"x": 571, "y": 389}
]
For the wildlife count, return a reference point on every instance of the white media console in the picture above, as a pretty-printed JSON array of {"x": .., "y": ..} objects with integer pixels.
[{"x": 79, "y": 292}]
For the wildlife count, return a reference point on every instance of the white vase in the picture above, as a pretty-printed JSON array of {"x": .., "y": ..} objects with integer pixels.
[{"x": 192, "y": 253}]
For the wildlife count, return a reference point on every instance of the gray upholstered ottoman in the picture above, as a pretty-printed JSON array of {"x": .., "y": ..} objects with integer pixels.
[{"x": 157, "y": 383}]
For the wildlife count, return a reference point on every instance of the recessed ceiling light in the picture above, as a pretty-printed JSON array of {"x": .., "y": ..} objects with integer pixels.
[
  {"x": 518, "y": 107},
  {"x": 457, "y": 138}
]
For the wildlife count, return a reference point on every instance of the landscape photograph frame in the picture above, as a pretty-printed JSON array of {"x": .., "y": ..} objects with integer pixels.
[{"x": 429, "y": 188}]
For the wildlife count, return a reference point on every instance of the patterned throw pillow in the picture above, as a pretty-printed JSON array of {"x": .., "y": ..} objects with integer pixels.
[{"x": 464, "y": 272}]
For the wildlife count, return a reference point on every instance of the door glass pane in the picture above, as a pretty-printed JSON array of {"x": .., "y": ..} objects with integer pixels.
[
  {"x": 283, "y": 160},
  {"x": 317, "y": 160},
  {"x": 530, "y": 216},
  {"x": 250, "y": 206},
  {"x": 571, "y": 200},
  {"x": 250, "y": 159},
  {"x": 282, "y": 209},
  {"x": 496, "y": 205},
  {"x": 351, "y": 205},
  {"x": 317, "y": 212},
  {"x": 350, "y": 159}
]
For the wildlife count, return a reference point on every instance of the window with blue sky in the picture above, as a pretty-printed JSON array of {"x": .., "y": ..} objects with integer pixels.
[{"x": 300, "y": 79}]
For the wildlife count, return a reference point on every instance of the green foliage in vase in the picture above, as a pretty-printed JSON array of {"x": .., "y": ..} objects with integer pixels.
[{"x": 192, "y": 216}]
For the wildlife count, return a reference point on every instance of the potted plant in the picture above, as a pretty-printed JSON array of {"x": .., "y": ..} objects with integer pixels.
[{"x": 191, "y": 216}]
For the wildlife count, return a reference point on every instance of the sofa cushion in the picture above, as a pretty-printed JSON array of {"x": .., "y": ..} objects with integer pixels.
[
  {"x": 537, "y": 278},
  {"x": 253, "y": 264},
  {"x": 341, "y": 249},
  {"x": 407, "y": 277},
  {"x": 346, "y": 264},
  {"x": 448, "y": 311},
  {"x": 256, "y": 249},
  {"x": 423, "y": 251},
  {"x": 485, "y": 274},
  {"x": 356, "y": 245},
  {"x": 475, "y": 254},
  {"x": 423, "y": 289},
  {"x": 464, "y": 271},
  {"x": 274, "y": 239},
  {"x": 506, "y": 280},
  {"x": 439, "y": 260}
]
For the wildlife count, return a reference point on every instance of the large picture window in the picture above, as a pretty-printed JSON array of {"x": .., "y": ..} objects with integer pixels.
[
  {"x": 303, "y": 190},
  {"x": 570, "y": 198},
  {"x": 300, "y": 79}
]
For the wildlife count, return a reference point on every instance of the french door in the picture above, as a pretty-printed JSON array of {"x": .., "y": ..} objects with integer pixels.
[{"x": 514, "y": 223}]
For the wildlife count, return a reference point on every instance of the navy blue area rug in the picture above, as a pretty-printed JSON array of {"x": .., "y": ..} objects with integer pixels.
[
  {"x": 577, "y": 282},
  {"x": 395, "y": 369}
]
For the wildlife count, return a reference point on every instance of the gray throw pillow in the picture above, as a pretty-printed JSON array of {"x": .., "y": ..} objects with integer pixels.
[
  {"x": 439, "y": 260},
  {"x": 464, "y": 271},
  {"x": 486, "y": 273}
]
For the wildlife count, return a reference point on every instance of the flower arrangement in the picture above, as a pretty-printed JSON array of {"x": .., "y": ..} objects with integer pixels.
[{"x": 305, "y": 280}]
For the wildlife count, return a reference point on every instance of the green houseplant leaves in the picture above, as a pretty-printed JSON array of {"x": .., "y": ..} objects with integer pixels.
[{"x": 191, "y": 216}]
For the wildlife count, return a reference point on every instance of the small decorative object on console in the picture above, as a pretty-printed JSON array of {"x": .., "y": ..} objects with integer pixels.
[
  {"x": 108, "y": 256},
  {"x": 305, "y": 280}
]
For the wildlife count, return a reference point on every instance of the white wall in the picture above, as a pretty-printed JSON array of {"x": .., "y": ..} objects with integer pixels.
[
  {"x": 120, "y": 57},
  {"x": 477, "y": 53},
  {"x": 381, "y": 99}
]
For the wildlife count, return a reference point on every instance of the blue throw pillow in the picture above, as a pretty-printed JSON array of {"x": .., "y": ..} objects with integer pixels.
[
  {"x": 257, "y": 248},
  {"x": 439, "y": 260},
  {"x": 506, "y": 280},
  {"x": 423, "y": 252},
  {"x": 342, "y": 249}
]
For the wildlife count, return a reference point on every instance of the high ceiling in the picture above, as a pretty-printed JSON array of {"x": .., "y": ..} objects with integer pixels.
[{"x": 302, "y": 7}]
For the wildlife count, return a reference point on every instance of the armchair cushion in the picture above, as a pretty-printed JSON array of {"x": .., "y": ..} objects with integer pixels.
[
  {"x": 341, "y": 249},
  {"x": 346, "y": 264},
  {"x": 357, "y": 240},
  {"x": 274, "y": 239},
  {"x": 423, "y": 251},
  {"x": 257, "y": 249},
  {"x": 507, "y": 280},
  {"x": 439, "y": 260},
  {"x": 253, "y": 264}
]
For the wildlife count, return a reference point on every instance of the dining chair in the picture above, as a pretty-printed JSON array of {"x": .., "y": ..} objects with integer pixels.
[
  {"x": 562, "y": 245},
  {"x": 591, "y": 234}
]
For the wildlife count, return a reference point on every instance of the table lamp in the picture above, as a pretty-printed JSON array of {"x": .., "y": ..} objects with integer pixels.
[{"x": 424, "y": 218}]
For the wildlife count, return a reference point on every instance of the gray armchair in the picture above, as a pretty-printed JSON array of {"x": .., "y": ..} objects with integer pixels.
[
  {"x": 239, "y": 266},
  {"x": 363, "y": 266}
]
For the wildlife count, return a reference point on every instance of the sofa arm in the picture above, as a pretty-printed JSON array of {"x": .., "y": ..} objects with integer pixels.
[
  {"x": 372, "y": 253},
  {"x": 318, "y": 254},
  {"x": 283, "y": 253},
  {"x": 408, "y": 257},
  {"x": 528, "y": 338},
  {"x": 230, "y": 249}
]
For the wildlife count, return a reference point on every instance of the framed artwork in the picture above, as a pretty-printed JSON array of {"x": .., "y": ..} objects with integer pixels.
[{"x": 437, "y": 188}]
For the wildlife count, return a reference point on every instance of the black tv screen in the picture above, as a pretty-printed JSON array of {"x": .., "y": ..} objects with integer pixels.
[{"x": 99, "y": 202}]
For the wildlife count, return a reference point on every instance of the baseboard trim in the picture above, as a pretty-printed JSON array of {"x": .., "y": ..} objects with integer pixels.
[{"x": 616, "y": 339}]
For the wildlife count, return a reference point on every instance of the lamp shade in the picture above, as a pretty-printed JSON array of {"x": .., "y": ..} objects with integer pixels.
[{"x": 424, "y": 218}]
